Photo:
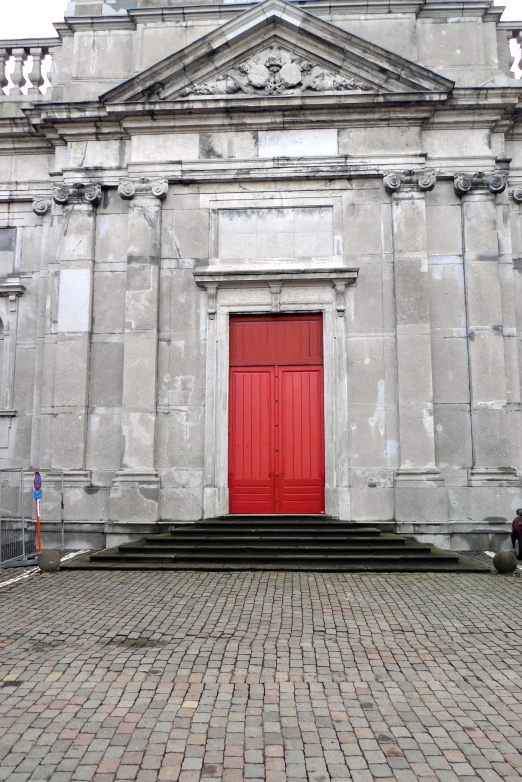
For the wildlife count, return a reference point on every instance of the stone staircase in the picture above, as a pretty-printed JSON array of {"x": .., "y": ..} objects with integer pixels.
[{"x": 295, "y": 543}]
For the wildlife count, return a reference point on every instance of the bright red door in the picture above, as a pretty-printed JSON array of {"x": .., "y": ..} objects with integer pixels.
[{"x": 276, "y": 431}]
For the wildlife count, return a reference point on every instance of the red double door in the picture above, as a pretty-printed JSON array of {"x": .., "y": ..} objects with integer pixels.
[{"x": 276, "y": 426}]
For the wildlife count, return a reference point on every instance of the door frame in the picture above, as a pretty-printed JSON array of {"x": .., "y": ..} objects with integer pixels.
[{"x": 325, "y": 296}]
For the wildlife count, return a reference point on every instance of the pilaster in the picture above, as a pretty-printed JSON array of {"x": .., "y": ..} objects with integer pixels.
[
  {"x": 419, "y": 489},
  {"x": 135, "y": 491},
  {"x": 74, "y": 278},
  {"x": 489, "y": 327}
]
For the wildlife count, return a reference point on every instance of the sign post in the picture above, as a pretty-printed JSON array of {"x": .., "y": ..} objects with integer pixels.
[{"x": 38, "y": 496}]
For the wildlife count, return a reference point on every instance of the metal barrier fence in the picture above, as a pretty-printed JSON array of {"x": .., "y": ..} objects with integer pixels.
[{"x": 18, "y": 525}]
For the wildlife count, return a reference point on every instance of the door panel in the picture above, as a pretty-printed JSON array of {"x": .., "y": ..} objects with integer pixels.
[
  {"x": 276, "y": 428},
  {"x": 300, "y": 475},
  {"x": 252, "y": 440}
]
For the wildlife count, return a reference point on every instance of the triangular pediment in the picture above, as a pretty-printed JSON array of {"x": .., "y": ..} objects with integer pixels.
[{"x": 276, "y": 49}]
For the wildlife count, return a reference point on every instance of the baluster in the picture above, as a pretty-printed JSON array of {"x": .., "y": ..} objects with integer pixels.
[
  {"x": 50, "y": 73},
  {"x": 17, "y": 76},
  {"x": 4, "y": 57},
  {"x": 35, "y": 75}
]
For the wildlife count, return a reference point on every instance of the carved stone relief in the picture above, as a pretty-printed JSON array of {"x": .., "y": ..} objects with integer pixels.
[
  {"x": 494, "y": 182},
  {"x": 276, "y": 71},
  {"x": 423, "y": 180}
]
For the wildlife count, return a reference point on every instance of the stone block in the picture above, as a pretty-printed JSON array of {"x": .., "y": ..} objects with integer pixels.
[
  {"x": 483, "y": 295},
  {"x": 186, "y": 386},
  {"x": 412, "y": 294},
  {"x": 164, "y": 147},
  {"x": 86, "y": 503},
  {"x": 455, "y": 144},
  {"x": 480, "y": 229},
  {"x": 487, "y": 371},
  {"x": 420, "y": 505},
  {"x": 101, "y": 54},
  {"x": 138, "y": 439},
  {"x": 108, "y": 304},
  {"x": 450, "y": 369},
  {"x": 96, "y": 154},
  {"x": 298, "y": 143},
  {"x": 414, "y": 368},
  {"x": 372, "y": 504},
  {"x": 185, "y": 431},
  {"x": 367, "y": 435},
  {"x": 181, "y": 504},
  {"x": 141, "y": 299},
  {"x": 397, "y": 33},
  {"x": 71, "y": 372},
  {"x": 144, "y": 232},
  {"x": 361, "y": 234},
  {"x": 416, "y": 436},
  {"x": 452, "y": 435},
  {"x": 74, "y": 307},
  {"x": 444, "y": 230},
  {"x": 139, "y": 367},
  {"x": 492, "y": 440},
  {"x": 68, "y": 436},
  {"x": 104, "y": 439},
  {"x": 364, "y": 311},
  {"x": 185, "y": 304},
  {"x": 447, "y": 297},
  {"x": 111, "y": 238},
  {"x": 133, "y": 502},
  {"x": 409, "y": 225},
  {"x": 185, "y": 233},
  {"x": 366, "y": 381},
  {"x": 32, "y": 238},
  {"x": 441, "y": 44},
  {"x": 77, "y": 239},
  {"x": 379, "y": 140},
  {"x": 492, "y": 505},
  {"x": 241, "y": 145},
  {"x": 106, "y": 374}
]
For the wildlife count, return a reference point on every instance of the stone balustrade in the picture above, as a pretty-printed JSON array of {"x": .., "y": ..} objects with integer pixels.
[{"x": 26, "y": 68}]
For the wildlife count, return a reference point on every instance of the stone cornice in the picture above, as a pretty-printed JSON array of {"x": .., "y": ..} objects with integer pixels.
[
  {"x": 222, "y": 11},
  {"x": 11, "y": 286}
]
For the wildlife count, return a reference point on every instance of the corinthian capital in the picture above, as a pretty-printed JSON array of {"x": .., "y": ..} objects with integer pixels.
[
  {"x": 129, "y": 188},
  {"x": 421, "y": 180},
  {"x": 495, "y": 182}
]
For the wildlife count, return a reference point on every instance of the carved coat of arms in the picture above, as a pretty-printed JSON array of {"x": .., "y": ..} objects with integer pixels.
[{"x": 275, "y": 72}]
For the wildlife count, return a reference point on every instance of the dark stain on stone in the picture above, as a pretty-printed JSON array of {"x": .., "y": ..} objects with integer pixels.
[
  {"x": 7, "y": 239},
  {"x": 206, "y": 147},
  {"x": 91, "y": 489},
  {"x": 495, "y": 519},
  {"x": 149, "y": 494}
]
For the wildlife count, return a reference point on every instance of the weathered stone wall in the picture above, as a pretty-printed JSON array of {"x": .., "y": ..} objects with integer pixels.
[{"x": 114, "y": 356}]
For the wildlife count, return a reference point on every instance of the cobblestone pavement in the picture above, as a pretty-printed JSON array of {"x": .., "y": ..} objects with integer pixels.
[{"x": 261, "y": 676}]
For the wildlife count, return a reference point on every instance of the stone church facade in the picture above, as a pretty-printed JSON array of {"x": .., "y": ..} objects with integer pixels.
[{"x": 193, "y": 163}]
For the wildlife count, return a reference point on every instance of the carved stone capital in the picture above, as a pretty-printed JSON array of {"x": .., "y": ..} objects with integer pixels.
[
  {"x": 41, "y": 205},
  {"x": 495, "y": 182},
  {"x": 516, "y": 194},
  {"x": 157, "y": 188},
  {"x": 420, "y": 180},
  {"x": 77, "y": 194}
]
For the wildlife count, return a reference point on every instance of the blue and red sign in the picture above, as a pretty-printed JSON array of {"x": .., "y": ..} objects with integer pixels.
[{"x": 37, "y": 481}]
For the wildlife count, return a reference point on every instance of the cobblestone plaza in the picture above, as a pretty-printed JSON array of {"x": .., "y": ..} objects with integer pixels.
[{"x": 260, "y": 676}]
